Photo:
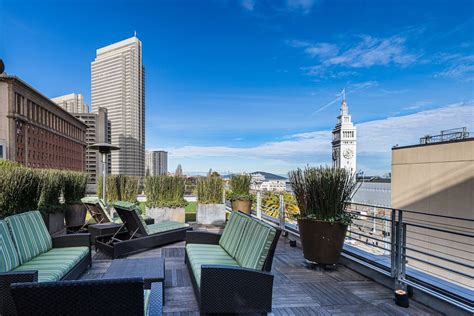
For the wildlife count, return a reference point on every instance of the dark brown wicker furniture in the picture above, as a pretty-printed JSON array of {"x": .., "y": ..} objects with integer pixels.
[
  {"x": 65, "y": 258},
  {"x": 139, "y": 236},
  {"x": 151, "y": 270},
  {"x": 87, "y": 297},
  {"x": 226, "y": 286},
  {"x": 102, "y": 229}
]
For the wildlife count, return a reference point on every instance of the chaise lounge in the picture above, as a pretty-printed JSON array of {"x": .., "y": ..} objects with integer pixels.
[
  {"x": 29, "y": 254},
  {"x": 99, "y": 214},
  {"x": 231, "y": 272},
  {"x": 139, "y": 235}
]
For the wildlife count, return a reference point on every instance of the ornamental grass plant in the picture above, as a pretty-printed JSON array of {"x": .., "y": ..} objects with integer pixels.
[
  {"x": 239, "y": 188},
  {"x": 165, "y": 191},
  {"x": 323, "y": 193},
  {"x": 210, "y": 190}
]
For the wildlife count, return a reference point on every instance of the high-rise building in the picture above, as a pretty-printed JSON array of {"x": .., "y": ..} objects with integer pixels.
[
  {"x": 118, "y": 84},
  {"x": 37, "y": 133},
  {"x": 344, "y": 141},
  {"x": 98, "y": 131},
  {"x": 73, "y": 103},
  {"x": 156, "y": 162}
]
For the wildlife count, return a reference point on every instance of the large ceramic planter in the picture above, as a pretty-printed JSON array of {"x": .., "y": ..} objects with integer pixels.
[
  {"x": 210, "y": 214},
  {"x": 244, "y": 206},
  {"x": 322, "y": 241},
  {"x": 54, "y": 222},
  {"x": 165, "y": 214},
  {"x": 75, "y": 215}
]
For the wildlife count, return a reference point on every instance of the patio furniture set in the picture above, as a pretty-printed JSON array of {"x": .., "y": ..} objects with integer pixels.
[{"x": 38, "y": 273}]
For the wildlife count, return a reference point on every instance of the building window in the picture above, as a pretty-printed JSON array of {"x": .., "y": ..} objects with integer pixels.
[{"x": 1, "y": 153}]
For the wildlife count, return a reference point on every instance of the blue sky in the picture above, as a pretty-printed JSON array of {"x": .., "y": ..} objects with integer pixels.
[{"x": 253, "y": 85}]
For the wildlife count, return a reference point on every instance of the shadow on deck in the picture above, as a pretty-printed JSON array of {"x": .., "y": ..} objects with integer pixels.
[{"x": 298, "y": 289}]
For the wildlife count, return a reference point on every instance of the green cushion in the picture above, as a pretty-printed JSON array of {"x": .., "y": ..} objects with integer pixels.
[
  {"x": 254, "y": 245},
  {"x": 165, "y": 226},
  {"x": 90, "y": 200},
  {"x": 55, "y": 264},
  {"x": 199, "y": 254},
  {"x": 30, "y": 235},
  {"x": 96, "y": 201},
  {"x": 132, "y": 207},
  {"x": 118, "y": 220},
  {"x": 233, "y": 232},
  {"x": 146, "y": 294},
  {"x": 8, "y": 255}
]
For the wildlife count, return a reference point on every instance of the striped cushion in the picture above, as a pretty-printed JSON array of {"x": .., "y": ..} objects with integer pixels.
[
  {"x": 233, "y": 233},
  {"x": 55, "y": 264},
  {"x": 165, "y": 226},
  {"x": 200, "y": 254},
  {"x": 30, "y": 235},
  {"x": 254, "y": 245},
  {"x": 8, "y": 255}
]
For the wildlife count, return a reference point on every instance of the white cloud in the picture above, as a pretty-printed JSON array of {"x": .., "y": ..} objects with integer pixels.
[
  {"x": 248, "y": 4},
  {"x": 303, "y": 6},
  {"x": 367, "y": 52},
  {"x": 375, "y": 140}
]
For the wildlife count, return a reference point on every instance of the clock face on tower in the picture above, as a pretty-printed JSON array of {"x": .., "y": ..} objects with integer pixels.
[{"x": 348, "y": 153}]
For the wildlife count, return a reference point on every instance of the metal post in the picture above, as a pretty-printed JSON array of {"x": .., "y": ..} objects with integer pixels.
[
  {"x": 400, "y": 257},
  {"x": 104, "y": 177},
  {"x": 259, "y": 204},
  {"x": 393, "y": 243},
  {"x": 282, "y": 212}
]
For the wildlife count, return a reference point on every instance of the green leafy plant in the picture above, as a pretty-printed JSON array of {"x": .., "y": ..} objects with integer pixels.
[
  {"x": 19, "y": 189},
  {"x": 75, "y": 184},
  {"x": 239, "y": 188},
  {"x": 210, "y": 190},
  {"x": 165, "y": 191},
  {"x": 120, "y": 188},
  {"x": 271, "y": 205},
  {"x": 323, "y": 193},
  {"x": 51, "y": 186}
]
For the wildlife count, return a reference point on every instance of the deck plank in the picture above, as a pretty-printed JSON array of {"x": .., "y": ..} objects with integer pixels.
[{"x": 299, "y": 289}]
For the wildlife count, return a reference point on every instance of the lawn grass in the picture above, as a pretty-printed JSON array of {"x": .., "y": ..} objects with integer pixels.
[{"x": 190, "y": 210}]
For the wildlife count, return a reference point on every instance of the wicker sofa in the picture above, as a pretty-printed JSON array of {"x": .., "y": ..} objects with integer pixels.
[
  {"x": 231, "y": 272},
  {"x": 29, "y": 254},
  {"x": 88, "y": 297}
]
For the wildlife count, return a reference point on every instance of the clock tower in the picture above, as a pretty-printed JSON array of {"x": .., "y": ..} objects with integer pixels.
[{"x": 344, "y": 139}]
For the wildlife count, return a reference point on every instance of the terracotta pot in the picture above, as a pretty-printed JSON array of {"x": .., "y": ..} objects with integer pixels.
[
  {"x": 322, "y": 241},
  {"x": 75, "y": 215},
  {"x": 244, "y": 206}
]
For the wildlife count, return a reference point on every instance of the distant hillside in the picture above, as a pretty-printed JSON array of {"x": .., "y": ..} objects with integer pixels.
[{"x": 268, "y": 176}]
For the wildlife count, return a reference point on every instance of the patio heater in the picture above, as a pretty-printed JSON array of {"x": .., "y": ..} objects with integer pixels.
[{"x": 104, "y": 149}]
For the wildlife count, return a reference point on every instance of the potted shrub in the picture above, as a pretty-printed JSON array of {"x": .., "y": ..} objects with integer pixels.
[
  {"x": 323, "y": 195},
  {"x": 18, "y": 189},
  {"x": 50, "y": 188},
  {"x": 210, "y": 208},
  {"x": 165, "y": 198},
  {"x": 75, "y": 184},
  {"x": 239, "y": 193}
]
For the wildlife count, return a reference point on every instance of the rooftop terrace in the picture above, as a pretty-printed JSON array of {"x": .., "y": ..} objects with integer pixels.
[{"x": 298, "y": 288}]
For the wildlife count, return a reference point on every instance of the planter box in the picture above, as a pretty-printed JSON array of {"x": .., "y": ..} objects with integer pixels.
[
  {"x": 210, "y": 214},
  {"x": 165, "y": 214},
  {"x": 55, "y": 223},
  {"x": 75, "y": 215}
]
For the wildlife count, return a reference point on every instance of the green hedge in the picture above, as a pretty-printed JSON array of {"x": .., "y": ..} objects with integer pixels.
[
  {"x": 120, "y": 188},
  {"x": 24, "y": 189},
  {"x": 210, "y": 190},
  {"x": 165, "y": 191}
]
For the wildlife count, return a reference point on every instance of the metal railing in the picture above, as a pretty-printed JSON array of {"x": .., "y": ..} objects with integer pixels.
[{"x": 433, "y": 253}]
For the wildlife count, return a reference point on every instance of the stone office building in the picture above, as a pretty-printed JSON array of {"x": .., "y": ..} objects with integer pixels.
[{"x": 37, "y": 133}]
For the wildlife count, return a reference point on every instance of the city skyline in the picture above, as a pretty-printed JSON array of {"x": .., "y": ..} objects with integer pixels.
[{"x": 254, "y": 85}]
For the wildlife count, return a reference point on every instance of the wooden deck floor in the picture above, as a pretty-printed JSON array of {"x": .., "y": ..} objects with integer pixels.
[{"x": 298, "y": 289}]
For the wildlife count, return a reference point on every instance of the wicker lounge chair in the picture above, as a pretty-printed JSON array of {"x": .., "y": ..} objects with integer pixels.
[
  {"x": 231, "y": 272},
  {"x": 87, "y": 297},
  {"x": 139, "y": 235},
  {"x": 98, "y": 211},
  {"x": 29, "y": 254}
]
